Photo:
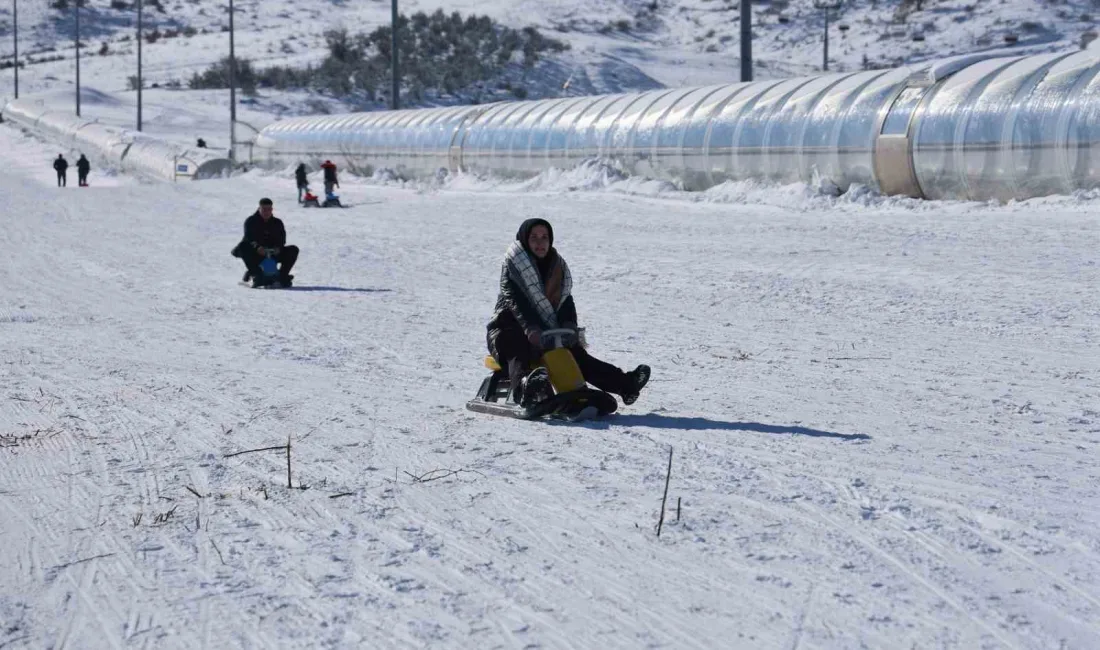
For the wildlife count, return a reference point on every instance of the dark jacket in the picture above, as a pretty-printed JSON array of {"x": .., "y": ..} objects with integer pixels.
[
  {"x": 300, "y": 176},
  {"x": 330, "y": 173},
  {"x": 257, "y": 232},
  {"x": 60, "y": 164},
  {"x": 513, "y": 310},
  {"x": 83, "y": 166}
]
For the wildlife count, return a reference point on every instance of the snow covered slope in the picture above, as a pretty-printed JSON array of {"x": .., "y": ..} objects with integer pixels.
[
  {"x": 617, "y": 45},
  {"x": 882, "y": 413}
]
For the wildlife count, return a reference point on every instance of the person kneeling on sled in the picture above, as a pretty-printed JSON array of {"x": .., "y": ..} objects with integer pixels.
[
  {"x": 535, "y": 288},
  {"x": 265, "y": 235}
]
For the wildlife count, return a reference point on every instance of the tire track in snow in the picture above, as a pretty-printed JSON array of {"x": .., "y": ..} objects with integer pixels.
[
  {"x": 205, "y": 540},
  {"x": 815, "y": 513},
  {"x": 44, "y": 538},
  {"x": 1061, "y": 581},
  {"x": 907, "y": 571},
  {"x": 79, "y": 501},
  {"x": 76, "y": 623},
  {"x": 39, "y": 540},
  {"x": 130, "y": 423},
  {"x": 532, "y": 535},
  {"x": 106, "y": 582},
  {"x": 944, "y": 547}
]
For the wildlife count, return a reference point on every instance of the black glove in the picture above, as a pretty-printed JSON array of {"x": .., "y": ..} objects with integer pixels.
[{"x": 534, "y": 337}]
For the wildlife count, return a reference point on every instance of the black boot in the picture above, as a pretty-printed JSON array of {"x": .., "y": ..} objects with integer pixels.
[
  {"x": 637, "y": 379},
  {"x": 533, "y": 388}
]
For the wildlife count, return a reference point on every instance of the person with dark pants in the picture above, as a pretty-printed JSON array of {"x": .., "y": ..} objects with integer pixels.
[
  {"x": 61, "y": 166},
  {"x": 520, "y": 353},
  {"x": 265, "y": 235},
  {"x": 535, "y": 294},
  {"x": 302, "y": 180},
  {"x": 329, "y": 168},
  {"x": 82, "y": 169}
]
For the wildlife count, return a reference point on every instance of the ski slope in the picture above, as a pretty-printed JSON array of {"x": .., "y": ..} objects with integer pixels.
[{"x": 883, "y": 416}]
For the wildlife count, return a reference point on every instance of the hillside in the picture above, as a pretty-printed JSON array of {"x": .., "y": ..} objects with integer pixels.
[{"x": 614, "y": 45}]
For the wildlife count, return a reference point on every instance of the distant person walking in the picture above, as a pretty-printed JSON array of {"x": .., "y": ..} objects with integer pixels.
[
  {"x": 201, "y": 144},
  {"x": 82, "y": 169},
  {"x": 302, "y": 179},
  {"x": 330, "y": 176},
  {"x": 60, "y": 166}
]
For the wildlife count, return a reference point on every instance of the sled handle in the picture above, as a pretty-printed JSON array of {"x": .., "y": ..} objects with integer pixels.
[{"x": 561, "y": 337}]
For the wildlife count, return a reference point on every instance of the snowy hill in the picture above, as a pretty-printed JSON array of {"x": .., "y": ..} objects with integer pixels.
[{"x": 615, "y": 44}]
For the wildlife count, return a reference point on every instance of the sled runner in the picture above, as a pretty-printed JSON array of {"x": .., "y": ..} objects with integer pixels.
[{"x": 572, "y": 398}]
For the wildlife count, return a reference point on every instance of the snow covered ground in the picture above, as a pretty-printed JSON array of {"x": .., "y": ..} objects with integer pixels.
[{"x": 883, "y": 416}]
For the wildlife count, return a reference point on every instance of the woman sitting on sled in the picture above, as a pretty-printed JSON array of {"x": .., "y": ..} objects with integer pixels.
[{"x": 535, "y": 286}]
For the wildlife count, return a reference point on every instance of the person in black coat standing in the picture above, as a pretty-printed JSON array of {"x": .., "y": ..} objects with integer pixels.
[
  {"x": 60, "y": 166},
  {"x": 82, "y": 169},
  {"x": 264, "y": 235},
  {"x": 302, "y": 179},
  {"x": 536, "y": 294}
]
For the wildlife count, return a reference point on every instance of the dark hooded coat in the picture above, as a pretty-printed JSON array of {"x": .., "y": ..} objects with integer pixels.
[
  {"x": 330, "y": 173},
  {"x": 513, "y": 310}
]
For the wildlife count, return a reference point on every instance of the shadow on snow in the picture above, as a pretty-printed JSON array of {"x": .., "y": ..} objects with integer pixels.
[
  {"x": 658, "y": 421},
  {"x": 338, "y": 289}
]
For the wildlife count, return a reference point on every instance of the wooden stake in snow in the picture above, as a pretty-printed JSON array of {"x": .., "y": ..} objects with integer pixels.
[
  {"x": 251, "y": 451},
  {"x": 664, "y": 498}
]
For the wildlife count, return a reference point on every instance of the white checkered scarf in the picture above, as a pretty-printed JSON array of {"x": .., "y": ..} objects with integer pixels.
[{"x": 524, "y": 273}]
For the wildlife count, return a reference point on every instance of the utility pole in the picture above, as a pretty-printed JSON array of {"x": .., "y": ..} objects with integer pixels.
[
  {"x": 232, "y": 88},
  {"x": 746, "y": 40},
  {"x": 826, "y": 6},
  {"x": 76, "y": 10},
  {"x": 139, "y": 84},
  {"x": 394, "y": 100},
  {"x": 15, "y": 36}
]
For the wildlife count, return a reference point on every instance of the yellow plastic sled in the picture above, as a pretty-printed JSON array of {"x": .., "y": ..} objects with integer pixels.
[{"x": 573, "y": 399}]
